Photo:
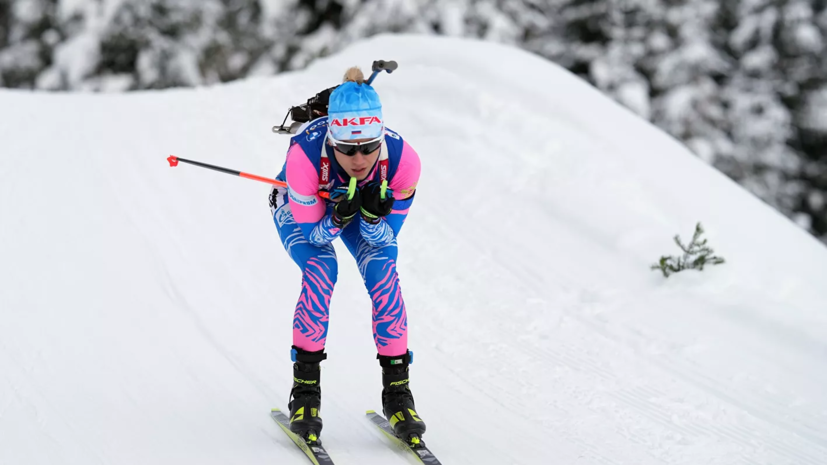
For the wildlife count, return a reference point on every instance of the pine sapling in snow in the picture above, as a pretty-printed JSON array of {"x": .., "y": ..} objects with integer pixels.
[{"x": 695, "y": 256}]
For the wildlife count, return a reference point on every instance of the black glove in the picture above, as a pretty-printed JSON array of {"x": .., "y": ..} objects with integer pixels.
[
  {"x": 345, "y": 208},
  {"x": 374, "y": 206}
]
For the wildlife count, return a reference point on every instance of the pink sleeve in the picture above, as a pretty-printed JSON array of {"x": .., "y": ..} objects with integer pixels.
[
  {"x": 404, "y": 181},
  {"x": 303, "y": 187}
]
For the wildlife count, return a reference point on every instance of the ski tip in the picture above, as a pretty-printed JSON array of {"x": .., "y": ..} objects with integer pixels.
[
  {"x": 370, "y": 412},
  {"x": 275, "y": 409}
]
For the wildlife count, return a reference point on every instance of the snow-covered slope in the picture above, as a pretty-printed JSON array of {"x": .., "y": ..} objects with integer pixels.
[{"x": 146, "y": 312}]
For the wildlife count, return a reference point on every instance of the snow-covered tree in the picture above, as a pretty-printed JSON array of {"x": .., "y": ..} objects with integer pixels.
[
  {"x": 743, "y": 83},
  {"x": 28, "y": 34},
  {"x": 778, "y": 50}
]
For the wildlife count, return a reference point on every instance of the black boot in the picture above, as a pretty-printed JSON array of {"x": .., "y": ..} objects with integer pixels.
[
  {"x": 397, "y": 399},
  {"x": 306, "y": 396}
]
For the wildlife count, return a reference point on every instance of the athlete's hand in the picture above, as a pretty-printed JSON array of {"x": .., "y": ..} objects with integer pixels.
[
  {"x": 377, "y": 200},
  {"x": 348, "y": 202}
]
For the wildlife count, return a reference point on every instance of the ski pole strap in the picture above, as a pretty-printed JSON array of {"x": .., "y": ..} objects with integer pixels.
[
  {"x": 397, "y": 360},
  {"x": 303, "y": 356}
]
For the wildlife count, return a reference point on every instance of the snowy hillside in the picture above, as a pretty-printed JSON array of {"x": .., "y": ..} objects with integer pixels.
[{"x": 146, "y": 312}]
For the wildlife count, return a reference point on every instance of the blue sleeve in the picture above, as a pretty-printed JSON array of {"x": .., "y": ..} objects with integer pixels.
[
  {"x": 376, "y": 234},
  {"x": 321, "y": 233},
  {"x": 400, "y": 211},
  {"x": 387, "y": 229}
]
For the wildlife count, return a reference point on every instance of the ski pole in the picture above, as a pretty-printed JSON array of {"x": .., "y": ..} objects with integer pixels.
[
  {"x": 173, "y": 162},
  {"x": 382, "y": 65}
]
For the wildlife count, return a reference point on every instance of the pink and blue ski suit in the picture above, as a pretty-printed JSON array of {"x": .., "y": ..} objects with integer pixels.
[{"x": 304, "y": 222}]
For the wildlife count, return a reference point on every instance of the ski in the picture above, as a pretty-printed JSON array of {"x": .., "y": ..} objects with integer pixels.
[
  {"x": 419, "y": 450},
  {"x": 314, "y": 450}
]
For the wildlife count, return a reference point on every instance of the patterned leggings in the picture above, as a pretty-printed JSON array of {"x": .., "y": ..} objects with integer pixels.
[{"x": 319, "y": 273}]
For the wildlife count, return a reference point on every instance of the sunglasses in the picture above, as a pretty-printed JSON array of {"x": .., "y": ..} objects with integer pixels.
[{"x": 351, "y": 148}]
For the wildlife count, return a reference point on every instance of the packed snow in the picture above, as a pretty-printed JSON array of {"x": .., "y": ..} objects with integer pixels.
[{"x": 146, "y": 311}]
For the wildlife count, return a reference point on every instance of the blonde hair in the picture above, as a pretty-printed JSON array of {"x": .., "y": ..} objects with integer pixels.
[{"x": 354, "y": 74}]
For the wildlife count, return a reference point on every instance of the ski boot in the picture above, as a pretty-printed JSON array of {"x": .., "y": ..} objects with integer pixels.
[
  {"x": 306, "y": 394},
  {"x": 397, "y": 399}
]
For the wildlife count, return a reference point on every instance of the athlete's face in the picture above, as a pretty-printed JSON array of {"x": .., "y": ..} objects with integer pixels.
[{"x": 358, "y": 166}]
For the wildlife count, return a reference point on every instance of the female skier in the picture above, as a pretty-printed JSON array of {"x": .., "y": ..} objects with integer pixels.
[{"x": 370, "y": 173}]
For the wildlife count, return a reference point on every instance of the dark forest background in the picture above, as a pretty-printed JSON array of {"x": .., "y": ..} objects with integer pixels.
[{"x": 743, "y": 83}]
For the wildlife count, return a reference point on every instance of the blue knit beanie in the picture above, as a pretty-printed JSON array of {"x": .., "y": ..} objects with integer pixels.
[{"x": 354, "y": 112}]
